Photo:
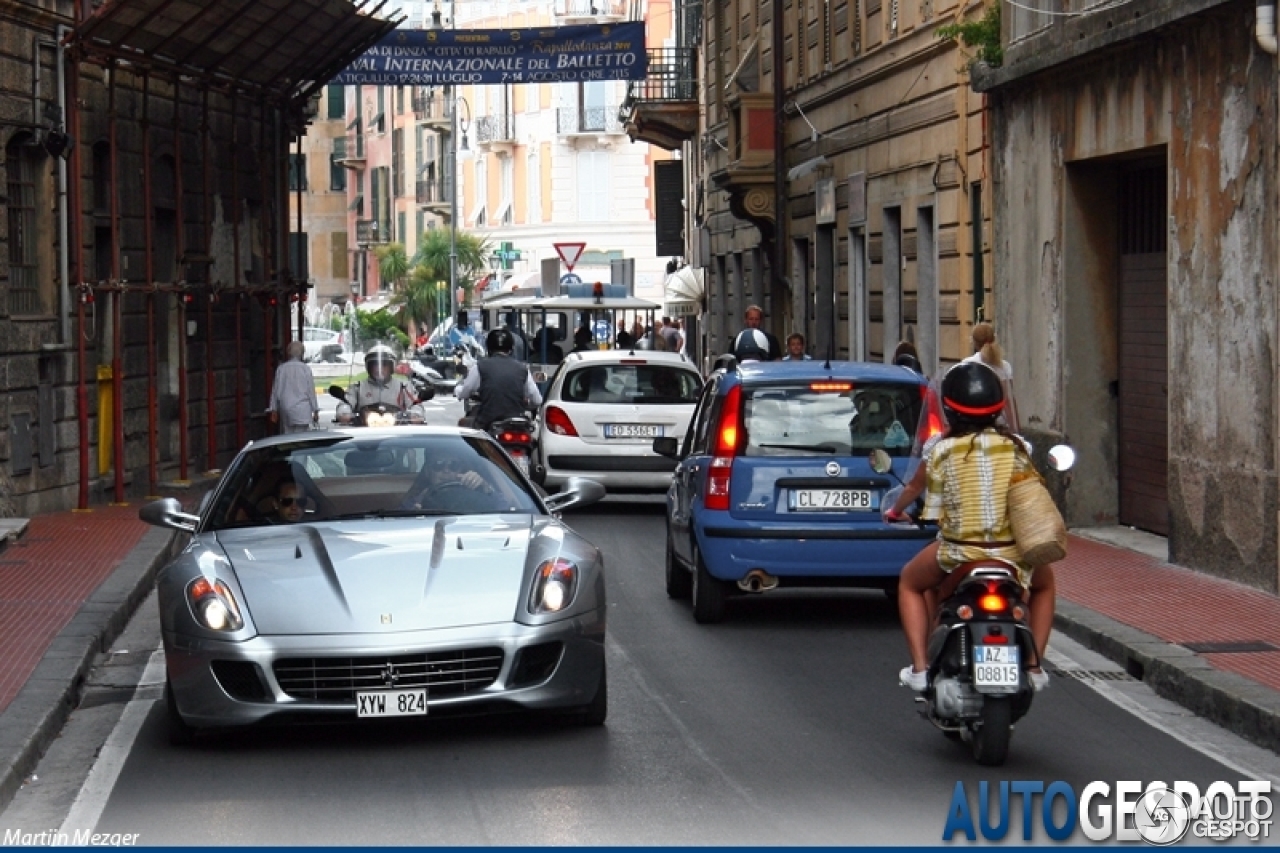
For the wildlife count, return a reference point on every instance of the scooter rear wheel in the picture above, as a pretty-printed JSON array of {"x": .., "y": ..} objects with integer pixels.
[{"x": 991, "y": 741}]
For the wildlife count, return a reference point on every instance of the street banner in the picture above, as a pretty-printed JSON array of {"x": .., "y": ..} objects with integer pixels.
[{"x": 571, "y": 54}]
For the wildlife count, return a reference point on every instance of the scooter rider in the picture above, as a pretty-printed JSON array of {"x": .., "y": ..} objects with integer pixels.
[
  {"x": 504, "y": 385},
  {"x": 973, "y": 516},
  {"x": 383, "y": 387}
]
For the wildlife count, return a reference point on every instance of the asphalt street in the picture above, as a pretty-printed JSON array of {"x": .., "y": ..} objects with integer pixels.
[{"x": 782, "y": 726}]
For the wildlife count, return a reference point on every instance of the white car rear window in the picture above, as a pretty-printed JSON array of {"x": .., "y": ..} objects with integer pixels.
[{"x": 632, "y": 384}]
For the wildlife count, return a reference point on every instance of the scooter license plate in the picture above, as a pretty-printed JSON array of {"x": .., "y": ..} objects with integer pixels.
[{"x": 995, "y": 668}]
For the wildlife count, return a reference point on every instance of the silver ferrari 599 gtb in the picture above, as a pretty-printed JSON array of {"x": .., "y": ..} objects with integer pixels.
[{"x": 379, "y": 573}]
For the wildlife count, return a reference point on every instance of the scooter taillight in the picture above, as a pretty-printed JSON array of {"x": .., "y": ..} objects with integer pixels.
[
  {"x": 514, "y": 438},
  {"x": 992, "y": 603}
]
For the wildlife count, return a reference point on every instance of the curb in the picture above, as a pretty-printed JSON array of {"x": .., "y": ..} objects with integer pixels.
[
  {"x": 1231, "y": 701},
  {"x": 39, "y": 711}
]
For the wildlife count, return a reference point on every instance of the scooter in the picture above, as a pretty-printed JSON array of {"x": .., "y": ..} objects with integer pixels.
[
  {"x": 516, "y": 437},
  {"x": 981, "y": 649},
  {"x": 380, "y": 414}
]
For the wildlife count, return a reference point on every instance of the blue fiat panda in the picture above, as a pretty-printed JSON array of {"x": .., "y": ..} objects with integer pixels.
[{"x": 773, "y": 486}]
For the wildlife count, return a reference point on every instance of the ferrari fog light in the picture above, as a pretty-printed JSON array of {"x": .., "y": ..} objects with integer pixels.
[
  {"x": 213, "y": 605},
  {"x": 554, "y": 585}
]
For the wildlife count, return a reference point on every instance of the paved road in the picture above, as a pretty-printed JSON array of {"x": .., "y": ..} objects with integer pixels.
[{"x": 781, "y": 726}]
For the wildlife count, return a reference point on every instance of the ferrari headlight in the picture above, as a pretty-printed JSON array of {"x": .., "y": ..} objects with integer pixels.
[
  {"x": 554, "y": 585},
  {"x": 342, "y": 414},
  {"x": 213, "y": 605}
]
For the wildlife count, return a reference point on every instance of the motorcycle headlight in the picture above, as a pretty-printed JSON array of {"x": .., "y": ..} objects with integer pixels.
[
  {"x": 213, "y": 605},
  {"x": 380, "y": 419},
  {"x": 417, "y": 415},
  {"x": 554, "y": 585},
  {"x": 342, "y": 414}
]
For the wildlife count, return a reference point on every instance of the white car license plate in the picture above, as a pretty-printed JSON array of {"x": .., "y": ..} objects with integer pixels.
[
  {"x": 831, "y": 500},
  {"x": 391, "y": 703},
  {"x": 995, "y": 666},
  {"x": 632, "y": 431}
]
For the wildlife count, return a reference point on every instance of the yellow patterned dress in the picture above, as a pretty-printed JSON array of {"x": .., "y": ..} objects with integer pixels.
[{"x": 966, "y": 492}]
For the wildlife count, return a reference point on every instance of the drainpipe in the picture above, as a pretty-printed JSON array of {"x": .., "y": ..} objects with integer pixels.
[
  {"x": 149, "y": 270},
  {"x": 180, "y": 249},
  {"x": 1265, "y": 28},
  {"x": 76, "y": 244},
  {"x": 206, "y": 192},
  {"x": 237, "y": 285},
  {"x": 117, "y": 297},
  {"x": 64, "y": 248}
]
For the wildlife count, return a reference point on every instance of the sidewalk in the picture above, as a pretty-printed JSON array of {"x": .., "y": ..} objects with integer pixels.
[{"x": 70, "y": 581}]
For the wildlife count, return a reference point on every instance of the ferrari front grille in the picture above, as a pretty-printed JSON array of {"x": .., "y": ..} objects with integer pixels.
[{"x": 337, "y": 679}]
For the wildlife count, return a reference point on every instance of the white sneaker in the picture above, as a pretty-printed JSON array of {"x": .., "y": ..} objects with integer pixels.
[
  {"x": 1039, "y": 680},
  {"x": 917, "y": 681}
]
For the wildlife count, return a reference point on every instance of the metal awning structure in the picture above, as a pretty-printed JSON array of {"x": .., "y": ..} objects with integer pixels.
[{"x": 287, "y": 49}]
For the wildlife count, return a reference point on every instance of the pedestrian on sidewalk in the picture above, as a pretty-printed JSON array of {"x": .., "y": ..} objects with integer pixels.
[
  {"x": 294, "y": 407},
  {"x": 973, "y": 518},
  {"x": 987, "y": 351},
  {"x": 795, "y": 348}
]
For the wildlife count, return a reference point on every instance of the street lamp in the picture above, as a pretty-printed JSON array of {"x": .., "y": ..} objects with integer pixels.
[{"x": 457, "y": 123}]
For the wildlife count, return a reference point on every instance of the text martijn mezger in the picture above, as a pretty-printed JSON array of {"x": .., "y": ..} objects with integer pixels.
[{"x": 78, "y": 838}]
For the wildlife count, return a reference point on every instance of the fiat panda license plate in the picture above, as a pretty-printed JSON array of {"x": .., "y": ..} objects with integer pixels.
[
  {"x": 831, "y": 500},
  {"x": 391, "y": 703},
  {"x": 995, "y": 667}
]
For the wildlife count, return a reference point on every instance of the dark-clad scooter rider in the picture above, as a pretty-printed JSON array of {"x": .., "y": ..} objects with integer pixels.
[{"x": 504, "y": 385}]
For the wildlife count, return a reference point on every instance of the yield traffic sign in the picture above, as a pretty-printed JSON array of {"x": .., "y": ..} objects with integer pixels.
[{"x": 569, "y": 253}]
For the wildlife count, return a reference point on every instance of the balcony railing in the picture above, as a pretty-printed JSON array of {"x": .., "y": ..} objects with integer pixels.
[
  {"x": 590, "y": 8},
  {"x": 433, "y": 191},
  {"x": 672, "y": 76},
  {"x": 430, "y": 107},
  {"x": 355, "y": 147},
  {"x": 495, "y": 128},
  {"x": 571, "y": 120},
  {"x": 369, "y": 232}
]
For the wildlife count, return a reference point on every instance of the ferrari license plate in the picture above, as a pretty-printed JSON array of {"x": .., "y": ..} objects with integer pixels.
[
  {"x": 831, "y": 500},
  {"x": 391, "y": 703},
  {"x": 632, "y": 431},
  {"x": 995, "y": 666}
]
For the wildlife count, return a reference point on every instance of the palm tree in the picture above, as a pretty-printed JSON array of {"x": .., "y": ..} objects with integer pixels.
[
  {"x": 433, "y": 254},
  {"x": 393, "y": 263},
  {"x": 419, "y": 296}
]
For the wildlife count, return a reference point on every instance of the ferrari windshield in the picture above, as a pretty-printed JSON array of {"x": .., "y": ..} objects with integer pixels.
[{"x": 331, "y": 478}]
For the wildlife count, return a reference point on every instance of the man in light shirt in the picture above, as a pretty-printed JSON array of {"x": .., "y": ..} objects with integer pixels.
[{"x": 294, "y": 407}]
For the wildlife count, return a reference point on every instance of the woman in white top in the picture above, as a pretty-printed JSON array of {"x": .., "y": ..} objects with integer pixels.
[{"x": 987, "y": 351}]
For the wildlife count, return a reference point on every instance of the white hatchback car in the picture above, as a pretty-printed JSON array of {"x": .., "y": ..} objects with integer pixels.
[
  {"x": 324, "y": 345},
  {"x": 603, "y": 410}
]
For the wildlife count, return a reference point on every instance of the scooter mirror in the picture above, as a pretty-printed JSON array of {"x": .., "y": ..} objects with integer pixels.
[
  {"x": 336, "y": 392},
  {"x": 880, "y": 461},
  {"x": 1062, "y": 457}
]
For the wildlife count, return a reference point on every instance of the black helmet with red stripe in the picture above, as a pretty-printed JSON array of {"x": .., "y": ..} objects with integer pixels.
[{"x": 972, "y": 395}]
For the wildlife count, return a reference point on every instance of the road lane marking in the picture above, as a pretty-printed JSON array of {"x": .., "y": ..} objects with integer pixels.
[
  {"x": 97, "y": 787},
  {"x": 1190, "y": 730}
]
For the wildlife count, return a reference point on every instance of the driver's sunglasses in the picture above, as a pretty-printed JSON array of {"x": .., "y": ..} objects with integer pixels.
[{"x": 288, "y": 501}]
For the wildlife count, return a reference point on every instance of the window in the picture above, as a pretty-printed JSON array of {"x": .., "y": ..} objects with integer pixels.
[
  {"x": 28, "y": 293},
  {"x": 297, "y": 172},
  {"x": 593, "y": 186},
  {"x": 631, "y": 384},
  {"x": 508, "y": 188},
  {"x": 592, "y": 109},
  {"x": 781, "y": 420},
  {"x": 335, "y": 96},
  {"x": 399, "y": 100},
  {"x": 400, "y": 227},
  {"x": 397, "y": 161},
  {"x": 482, "y": 191},
  {"x": 337, "y": 172},
  {"x": 533, "y": 190}
]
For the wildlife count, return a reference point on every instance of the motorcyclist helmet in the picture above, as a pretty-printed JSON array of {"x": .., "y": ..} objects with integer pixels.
[
  {"x": 972, "y": 395},
  {"x": 380, "y": 361},
  {"x": 499, "y": 340}
]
